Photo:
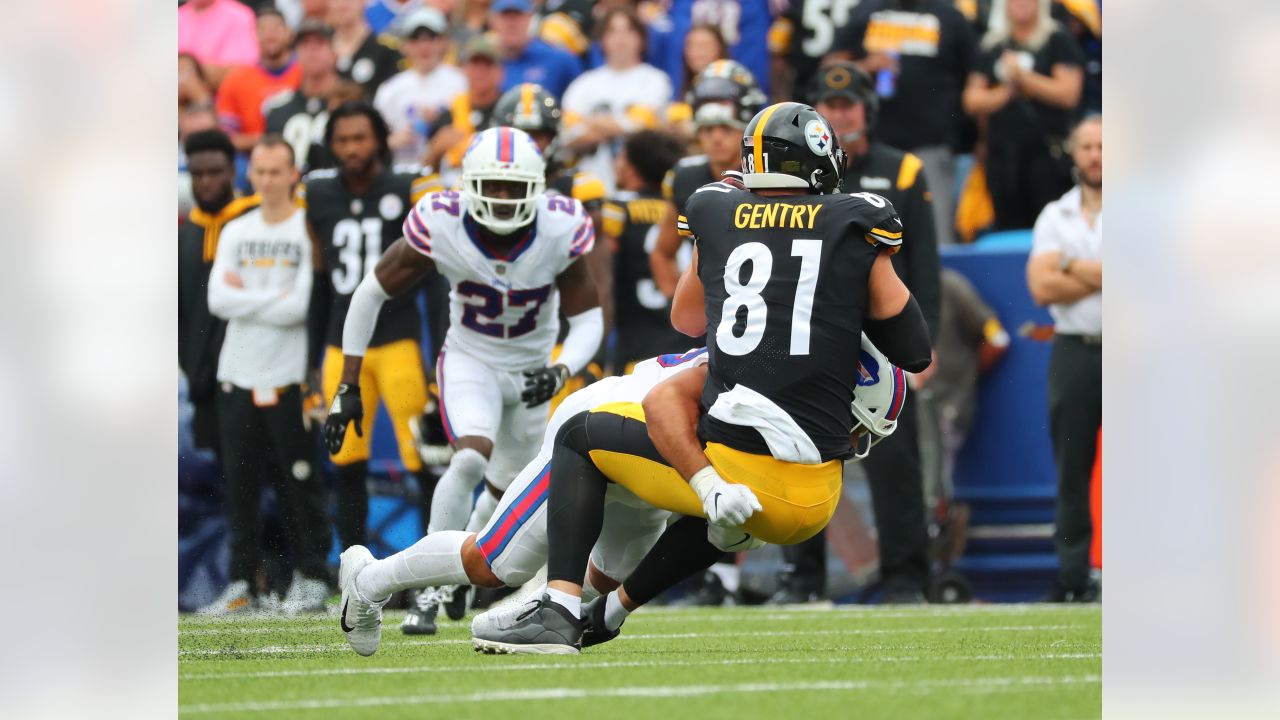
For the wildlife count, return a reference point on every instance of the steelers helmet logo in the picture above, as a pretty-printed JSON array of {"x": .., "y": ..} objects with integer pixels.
[
  {"x": 390, "y": 207},
  {"x": 817, "y": 137},
  {"x": 838, "y": 78},
  {"x": 301, "y": 470}
]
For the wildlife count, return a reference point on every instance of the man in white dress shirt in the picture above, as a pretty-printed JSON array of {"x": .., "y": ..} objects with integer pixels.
[{"x": 1065, "y": 273}]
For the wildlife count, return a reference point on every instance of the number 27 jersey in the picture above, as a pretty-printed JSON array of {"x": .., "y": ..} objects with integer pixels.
[
  {"x": 785, "y": 281},
  {"x": 503, "y": 306}
]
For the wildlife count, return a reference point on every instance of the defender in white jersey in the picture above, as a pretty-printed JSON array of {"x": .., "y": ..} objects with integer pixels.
[
  {"x": 512, "y": 546},
  {"x": 511, "y": 254}
]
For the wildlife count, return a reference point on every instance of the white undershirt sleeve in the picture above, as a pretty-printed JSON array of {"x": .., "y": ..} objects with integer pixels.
[{"x": 362, "y": 316}]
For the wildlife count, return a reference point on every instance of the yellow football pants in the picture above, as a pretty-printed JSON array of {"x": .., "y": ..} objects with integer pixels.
[
  {"x": 394, "y": 373},
  {"x": 797, "y": 500}
]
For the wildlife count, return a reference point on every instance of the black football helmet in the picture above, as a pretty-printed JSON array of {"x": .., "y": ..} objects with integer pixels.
[
  {"x": 790, "y": 145},
  {"x": 528, "y": 107},
  {"x": 725, "y": 93}
]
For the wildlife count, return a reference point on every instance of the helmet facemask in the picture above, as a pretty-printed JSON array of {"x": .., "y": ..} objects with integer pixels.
[{"x": 489, "y": 204}]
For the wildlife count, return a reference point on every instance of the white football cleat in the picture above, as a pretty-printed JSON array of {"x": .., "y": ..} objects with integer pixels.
[
  {"x": 305, "y": 595},
  {"x": 235, "y": 599},
  {"x": 360, "y": 618}
]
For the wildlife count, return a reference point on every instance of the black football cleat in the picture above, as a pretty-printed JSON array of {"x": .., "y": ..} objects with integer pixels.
[
  {"x": 421, "y": 618},
  {"x": 594, "y": 629},
  {"x": 454, "y": 600},
  {"x": 545, "y": 628}
]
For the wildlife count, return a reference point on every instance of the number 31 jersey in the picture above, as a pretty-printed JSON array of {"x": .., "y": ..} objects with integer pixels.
[
  {"x": 785, "y": 279},
  {"x": 353, "y": 231},
  {"x": 503, "y": 306}
]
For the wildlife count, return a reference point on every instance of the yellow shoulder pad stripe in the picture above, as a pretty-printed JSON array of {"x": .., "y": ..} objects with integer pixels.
[
  {"x": 908, "y": 170},
  {"x": 587, "y": 188}
]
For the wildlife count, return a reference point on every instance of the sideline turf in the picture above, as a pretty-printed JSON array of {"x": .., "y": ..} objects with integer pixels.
[{"x": 988, "y": 662}]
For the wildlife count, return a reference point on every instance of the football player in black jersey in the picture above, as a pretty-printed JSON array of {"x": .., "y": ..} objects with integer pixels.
[
  {"x": 789, "y": 273},
  {"x": 724, "y": 98},
  {"x": 354, "y": 213},
  {"x": 846, "y": 96},
  {"x": 631, "y": 221},
  {"x": 211, "y": 160},
  {"x": 299, "y": 116}
]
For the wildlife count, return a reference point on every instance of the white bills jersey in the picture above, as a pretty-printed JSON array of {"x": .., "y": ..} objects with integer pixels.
[{"x": 503, "y": 307}]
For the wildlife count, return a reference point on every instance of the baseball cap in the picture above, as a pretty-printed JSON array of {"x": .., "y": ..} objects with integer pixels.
[
  {"x": 524, "y": 6},
  {"x": 312, "y": 27},
  {"x": 842, "y": 79},
  {"x": 424, "y": 18},
  {"x": 480, "y": 46}
]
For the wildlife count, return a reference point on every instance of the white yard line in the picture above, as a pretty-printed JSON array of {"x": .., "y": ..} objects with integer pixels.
[
  {"x": 286, "y": 649},
  {"x": 433, "y": 669},
  {"x": 993, "y": 684}
]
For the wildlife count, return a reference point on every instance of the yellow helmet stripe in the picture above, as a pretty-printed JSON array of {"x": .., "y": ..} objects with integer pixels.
[
  {"x": 757, "y": 137},
  {"x": 526, "y": 99}
]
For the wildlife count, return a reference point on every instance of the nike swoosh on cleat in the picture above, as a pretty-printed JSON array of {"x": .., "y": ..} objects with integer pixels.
[{"x": 342, "y": 617}]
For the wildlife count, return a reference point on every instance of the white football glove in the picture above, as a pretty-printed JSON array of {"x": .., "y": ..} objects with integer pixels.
[{"x": 726, "y": 504}]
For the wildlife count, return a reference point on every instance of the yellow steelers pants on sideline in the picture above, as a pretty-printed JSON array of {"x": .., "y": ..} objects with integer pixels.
[
  {"x": 797, "y": 500},
  {"x": 394, "y": 373}
]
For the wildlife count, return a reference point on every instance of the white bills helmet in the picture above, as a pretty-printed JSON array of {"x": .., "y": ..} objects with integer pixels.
[
  {"x": 878, "y": 398},
  {"x": 503, "y": 155}
]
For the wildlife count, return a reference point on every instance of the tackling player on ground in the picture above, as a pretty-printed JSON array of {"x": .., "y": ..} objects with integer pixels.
[
  {"x": 789, "y": 272},
  {"x": 511, "y": 254}
]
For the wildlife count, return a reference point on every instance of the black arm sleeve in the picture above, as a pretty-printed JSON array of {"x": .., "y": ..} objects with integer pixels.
[
  {"x": 903, "y": 338},
  {"x": 318, "y": 318}
]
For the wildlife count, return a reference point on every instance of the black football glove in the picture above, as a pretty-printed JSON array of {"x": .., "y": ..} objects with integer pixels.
[
  {"x": 542, "y": 385},
  {"x": 346, "y": 407}
]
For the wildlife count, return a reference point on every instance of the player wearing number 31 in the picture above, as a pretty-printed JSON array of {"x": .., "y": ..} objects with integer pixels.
[
  {"x": 787, "y": 274},
  {"x": 512, "y": 255}
]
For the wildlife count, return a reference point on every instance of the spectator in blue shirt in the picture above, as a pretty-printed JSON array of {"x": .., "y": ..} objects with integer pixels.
[
  {"x": 744, "y": 24},
  {"x": 526, "y": 59}
]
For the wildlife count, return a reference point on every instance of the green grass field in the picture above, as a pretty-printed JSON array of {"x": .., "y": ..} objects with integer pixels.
[{"x": 989, "y": 662}]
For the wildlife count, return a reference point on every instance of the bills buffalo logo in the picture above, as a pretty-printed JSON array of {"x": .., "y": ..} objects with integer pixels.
[{"x": 868, "y": 370}]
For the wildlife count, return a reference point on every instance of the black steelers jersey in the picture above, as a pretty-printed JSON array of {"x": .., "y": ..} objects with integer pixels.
[
  {"x": 300, "y": 120},
  {"x": 353, "y": 232},
  {"x": 681, "y": 181},
  {"x": 786, "y": 295},
  {"x": 642, "y": 313}
]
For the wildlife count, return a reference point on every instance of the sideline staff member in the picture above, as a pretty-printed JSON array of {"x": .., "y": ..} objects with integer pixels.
[{"x": 1065, "y": 273}]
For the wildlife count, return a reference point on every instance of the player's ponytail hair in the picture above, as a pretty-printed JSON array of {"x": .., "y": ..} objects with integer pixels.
[{"x": 360, "y": 108}]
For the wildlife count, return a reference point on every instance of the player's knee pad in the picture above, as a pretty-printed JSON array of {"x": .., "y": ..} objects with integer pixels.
[
  {"x": 733, "y": 539},
  {"x": 573, "y": 433},
  {"x": 467, "y": 467}
]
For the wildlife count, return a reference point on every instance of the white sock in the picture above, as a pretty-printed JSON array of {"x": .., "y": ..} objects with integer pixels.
[
  {"x": 614, "y": 612},
  {"x": 451, "y": 503},
  {"x": 572, "y": 603},
  {"x": 729, "y": 575},
  {"x": 480, "y": 514},
  {"x": 434, "y": 560}
]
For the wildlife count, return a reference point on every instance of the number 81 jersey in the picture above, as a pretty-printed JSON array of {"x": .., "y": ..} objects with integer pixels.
[
  {"x": 503, "y": 306},
  {"x": 785, "y": 281}
]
